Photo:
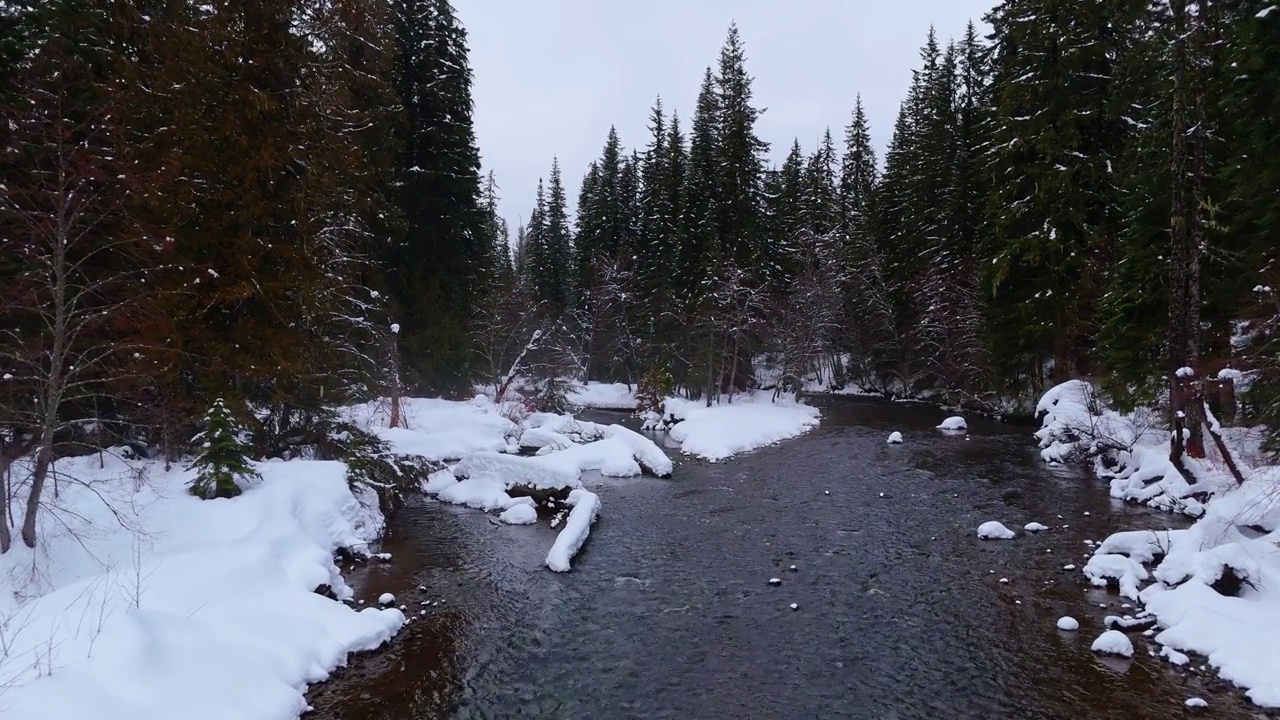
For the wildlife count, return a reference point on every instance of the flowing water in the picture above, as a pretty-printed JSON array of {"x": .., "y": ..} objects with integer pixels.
[{"x": 668, "y": 612}]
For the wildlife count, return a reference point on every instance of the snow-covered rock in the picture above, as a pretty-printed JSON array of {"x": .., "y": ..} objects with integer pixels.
[
  {"x": 586, "y": 506},
  {"x": 1126, "y": 572},
  {"x": 955, "y": 422},
  {"x": 522, "y": 514},
  {"x": 1113, "y": 642},
  {"x": 1196, "y": 702},
  {"x": 994, "y": 530},
  {"x": 1035, "y": 527},
  {"x": 895, "y": 438},
  {"x": 386, "y": 599},
  {"x": 1068, "y": 623}
]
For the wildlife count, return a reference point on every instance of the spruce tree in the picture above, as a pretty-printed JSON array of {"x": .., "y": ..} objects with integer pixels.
[
  {"x": 222, "y": 456},
  {"x": 739, "y": 174},
  {"x": 435, "y": 267},
  {"x": 1055, "y": 138}
]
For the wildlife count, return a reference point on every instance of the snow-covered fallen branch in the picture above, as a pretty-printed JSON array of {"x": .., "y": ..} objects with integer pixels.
[{"x": 586, "y": 506}]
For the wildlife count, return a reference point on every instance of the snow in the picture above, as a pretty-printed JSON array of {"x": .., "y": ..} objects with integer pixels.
[
  {"x": 1035, "y": 527},
  {"x": 586, "y": 505},
  {"x": 750, "y": 421},
  {"x": 603, "y": 396},
  {"x": 1237, "y": 529},
  {"x": 1125, "y": 571},
  {"x": 200, "y": 609},
  {"x": 1185, "y": 372},
  {"x": 1196, "y": 702},
  {"x": 895, "y": 438},
  {"x": 954, "y": 422},
  {"x": 438, "y": 429},
  {"x": 1068, "y": 623},
  {"x": 993, "y": 530},
  {"x": 519, "y": 514},
  {"x": 1264, "y": 12},
  {"x": 1113, "y": 642},
  {"x": 486, "y": 493},
  {"x": 386, "y": 599},
  {"x": 775, "y": 581}
]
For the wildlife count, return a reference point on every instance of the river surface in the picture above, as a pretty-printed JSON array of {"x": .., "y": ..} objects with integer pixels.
[{"x": 668, "y": 612}]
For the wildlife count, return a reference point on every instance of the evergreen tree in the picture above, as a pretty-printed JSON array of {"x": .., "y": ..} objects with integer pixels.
[
  {"x": 557, "y": 248},
  {"x": 1055, "y": 137},
  {"x": 435, "y": 268},
  {"x": 222, "y": 456},
  {"x": 739, "y": 171}
]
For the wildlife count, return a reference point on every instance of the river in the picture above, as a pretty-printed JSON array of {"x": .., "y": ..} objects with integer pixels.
[{"x": 669, "y": 614}]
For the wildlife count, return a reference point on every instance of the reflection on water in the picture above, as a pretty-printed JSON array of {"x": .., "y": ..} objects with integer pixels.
[{"x": 669, "y": 614}]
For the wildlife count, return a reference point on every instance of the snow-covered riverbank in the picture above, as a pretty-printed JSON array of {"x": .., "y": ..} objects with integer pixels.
[
  {"x": 1214, "y": 587},
  {"x": 145, "y": 603}
]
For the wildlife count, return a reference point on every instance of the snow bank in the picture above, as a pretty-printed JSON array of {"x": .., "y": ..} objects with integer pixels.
[
  {"x": 1237, "y": 632},
  {"x": 954, "y": 422},
  {"x": 603, "y": 396},
  {"x": 751, "y": 421},
  {"x": 1113, "y": 642},
  {"x": 438, "y": 429},
  {"x": 586, "y": 505},
  {"x": 993, "y": 530},
  {"x": 206, "y": 610}
]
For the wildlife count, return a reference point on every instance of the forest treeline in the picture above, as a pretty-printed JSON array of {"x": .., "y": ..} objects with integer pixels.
[
  {"x": 281, "y": 204},
  {"x": 1090, "y": 190}
]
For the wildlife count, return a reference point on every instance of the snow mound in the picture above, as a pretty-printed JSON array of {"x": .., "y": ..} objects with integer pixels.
[
  {"x": 994, "y": 530},
  {"x": 1126, "y": 572},
  {"x": 1113, "y": 642},
  {"x": 386, "y": 599},
  {"x": 749, "y": 422},
  {"x": 603, "y": 396},
  {"x": 437, "y": 429},
  {"x": 1068, "y": 623},
  {"x": 208, "y": 611},
  {"x": 586, "y": 506},
  {"x": 954, "y": 422},
  {"x": 521, "y": 514},
  {"x": 1035, "y": 527},
  {"x": 1196, "y": 702},
  {"x": 485, "y": 492},
  {"x": 895, "y": 438}
]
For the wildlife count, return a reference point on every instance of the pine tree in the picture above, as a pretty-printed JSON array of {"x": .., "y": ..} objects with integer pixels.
[
  {"x": 557, "y": 248},
  {"x": 1055, "y": 137},
  {"x": 222, "y": 456},
  {"x": 739, "y": 174},
  {"x": 434, "y": 269},
  {"x": 700, "y": 246}
]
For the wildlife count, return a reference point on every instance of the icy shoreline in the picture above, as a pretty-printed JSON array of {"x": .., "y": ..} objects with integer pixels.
[{"x": 1213, "y": 588}]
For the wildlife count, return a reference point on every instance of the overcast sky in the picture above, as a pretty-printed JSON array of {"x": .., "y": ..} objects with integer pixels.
[{"x": 551, "y": 76}]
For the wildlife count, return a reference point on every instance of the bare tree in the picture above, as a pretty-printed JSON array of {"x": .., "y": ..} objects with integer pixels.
[{"x": 69, "y": 299}]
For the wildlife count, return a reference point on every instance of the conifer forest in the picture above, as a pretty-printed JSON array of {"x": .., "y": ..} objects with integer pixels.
[{"x": 270, "y": 208}]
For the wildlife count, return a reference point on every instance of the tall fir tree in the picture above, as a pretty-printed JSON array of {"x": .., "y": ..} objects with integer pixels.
[{"x": 435, "y": 267}]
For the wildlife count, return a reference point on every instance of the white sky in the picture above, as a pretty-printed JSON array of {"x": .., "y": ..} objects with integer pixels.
[{"x": 551, "y": 76}]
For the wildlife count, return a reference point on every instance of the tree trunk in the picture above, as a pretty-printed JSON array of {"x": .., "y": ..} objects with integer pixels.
[{"x": 38, "y": 475}]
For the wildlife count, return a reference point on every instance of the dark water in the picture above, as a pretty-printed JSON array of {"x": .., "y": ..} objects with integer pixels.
[{"x": 668, "y": 612}]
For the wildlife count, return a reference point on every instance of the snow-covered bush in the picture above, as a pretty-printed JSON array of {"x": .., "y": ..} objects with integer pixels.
[{"x": 222, "y": 456}]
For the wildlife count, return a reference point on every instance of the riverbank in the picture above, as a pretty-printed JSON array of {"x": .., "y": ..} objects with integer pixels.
[
  {"x": 1214, "y": 588},
  {"x": 144, "y": 603}
]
